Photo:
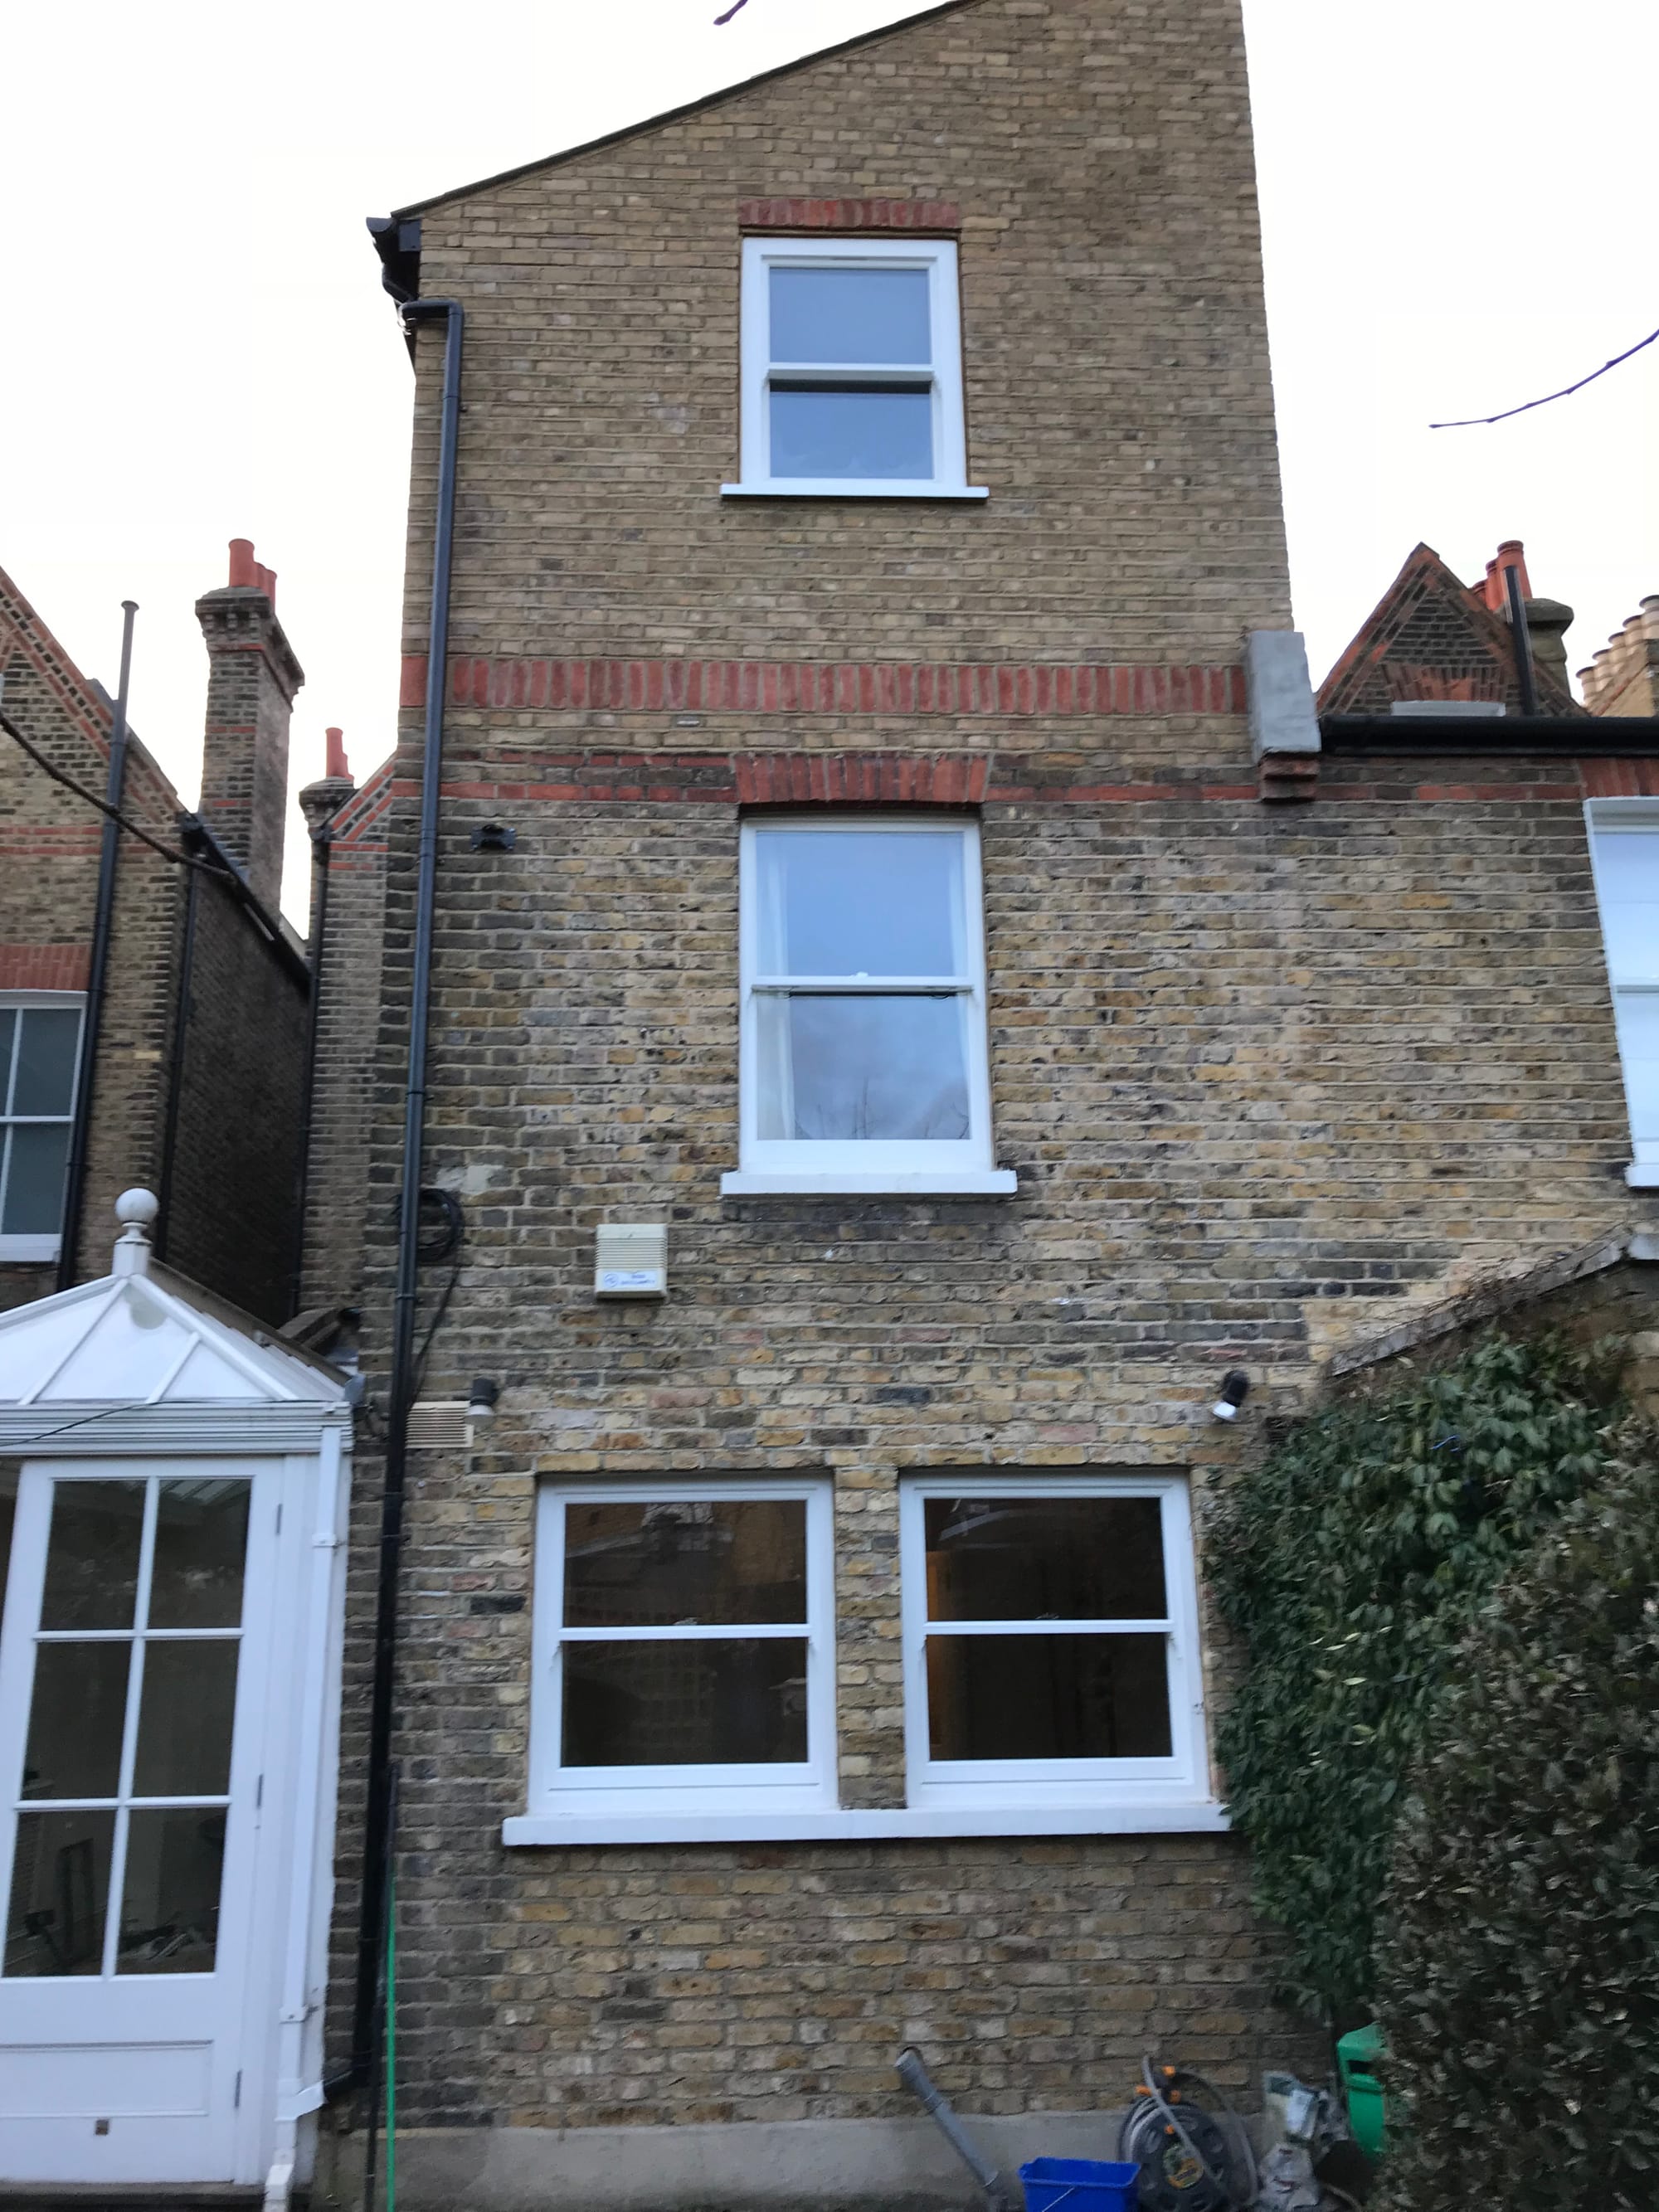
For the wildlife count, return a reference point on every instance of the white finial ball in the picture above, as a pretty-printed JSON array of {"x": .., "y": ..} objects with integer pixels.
[{"x": 136, "y": 1209}]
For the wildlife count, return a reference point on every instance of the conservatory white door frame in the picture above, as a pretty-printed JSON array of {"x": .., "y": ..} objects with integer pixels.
[{"x": 115, "y": 2067}]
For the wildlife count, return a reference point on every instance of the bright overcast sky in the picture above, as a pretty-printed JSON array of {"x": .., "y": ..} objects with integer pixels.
[{"x": 1457, "y": 198}]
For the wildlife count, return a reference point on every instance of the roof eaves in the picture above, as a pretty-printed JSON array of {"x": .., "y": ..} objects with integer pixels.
[{"x": 679, "y": 114}]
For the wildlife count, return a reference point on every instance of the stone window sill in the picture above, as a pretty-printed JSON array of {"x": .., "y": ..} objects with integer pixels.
[
  {"x": 851, "y": 488},
  {"x": 828, "y": 1183},
  {"x": 1642, "y": 1175},
  {"x": 1167, "y": 1817}
]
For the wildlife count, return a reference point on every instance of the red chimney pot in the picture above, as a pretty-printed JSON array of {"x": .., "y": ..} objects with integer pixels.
[
  {"x": 243, "y": 576},
  {"x": 337, "y": 765}
]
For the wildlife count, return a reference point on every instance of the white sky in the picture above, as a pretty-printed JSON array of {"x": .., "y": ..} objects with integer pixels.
[{"x": 1457, "y": 197}]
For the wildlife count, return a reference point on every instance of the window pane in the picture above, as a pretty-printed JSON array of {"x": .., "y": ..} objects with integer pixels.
[
  {"x": 1044, "y": 1558},
  {"x": 1627, "y": 870},
  {"x": 860, "y": 902},
  {"x": 829, "y": 314},
  {"x": 1638, "y": 1047},
  {"x": 717, "y": 1702},
  {"x": 33, "y": 1203},
  {"x": 59, "y": 1881},
  {"x": 76, "y": 1720},
  {"x": 8, "y": 1034},
  {"x": 855, "y": 431},
  {"x": 866, "y": 1067},
  {"x": 170, "y": 1892},
  {"x": 46, "y": 1059},
  {"x": 709, "y": 1562},
  {"x": 201, "y": 1537},
  {"x": 92, "y": 1559},
  {"x": 1048, "y": 1696},
  {"x": 184, "y": 1716}
]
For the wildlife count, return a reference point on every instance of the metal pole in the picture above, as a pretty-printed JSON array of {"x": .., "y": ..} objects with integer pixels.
[
  {"x": 74, "y": 1177},
  {"x": 1523, "y": 667}
]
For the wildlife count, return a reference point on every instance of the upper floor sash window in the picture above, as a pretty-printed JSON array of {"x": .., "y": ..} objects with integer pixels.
[{"x": 40, "y": 1060}]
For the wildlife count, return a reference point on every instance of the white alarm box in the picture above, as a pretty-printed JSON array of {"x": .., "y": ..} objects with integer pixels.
[{"x": 631, "y": 1260}]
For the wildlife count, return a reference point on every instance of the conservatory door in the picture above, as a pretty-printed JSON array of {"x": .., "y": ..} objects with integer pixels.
[{"x": 132, "y": 1667}]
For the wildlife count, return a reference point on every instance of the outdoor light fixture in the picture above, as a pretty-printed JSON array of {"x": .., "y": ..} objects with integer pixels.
[
  {"x": 1235, "y": 1389},
  {"x": 482, "y": 1397}
]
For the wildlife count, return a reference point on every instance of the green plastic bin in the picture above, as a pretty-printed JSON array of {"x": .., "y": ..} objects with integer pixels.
[{"x": 1357, "y": 2054}]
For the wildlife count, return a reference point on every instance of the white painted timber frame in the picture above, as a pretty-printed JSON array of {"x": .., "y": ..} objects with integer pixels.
[
  {"x": 1176, "y": 1801},
  {"x": 625, "y": 1797},
  {"x": 948, "y": 1168},
  {"x": 45, "y": 1247},
  {"x": 1099, "y": 1786},
  {"x": 943, "y": 376},
  {"x": 1606, "y": 818},
  {"x": 130, "y": 1374}
]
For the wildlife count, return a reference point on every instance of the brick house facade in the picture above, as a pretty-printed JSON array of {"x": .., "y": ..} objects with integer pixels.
[
  {"x": 198, "y": 1087},
  {"x": 1259, "y": 1073}
]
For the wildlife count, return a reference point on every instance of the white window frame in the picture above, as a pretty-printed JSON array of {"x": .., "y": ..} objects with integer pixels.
[
  {"x": 1605, "y": 817},
  {"x": 1058, "y": 1785},
  {"x": 937, "y": 256},
  {"x": 627, "y": 1798},
  {"x": 37, "y": 1247},
  {"x": 959, "y": 1166}
]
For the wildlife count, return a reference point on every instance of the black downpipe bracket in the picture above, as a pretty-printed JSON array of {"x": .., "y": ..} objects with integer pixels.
[
  {"x": 74, "y": 1177},
  {"x": 380, "y": 1781}
]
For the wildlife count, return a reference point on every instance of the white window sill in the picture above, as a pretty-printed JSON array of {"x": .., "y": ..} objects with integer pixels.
[
  {"x": 1642, "y": 1175},
  {"x": 893, "y": 1183},
  {"x": 1169, "y": 1817},
  {"x": 29, "y": 1248},
  {"x": 853, "y": 488}
]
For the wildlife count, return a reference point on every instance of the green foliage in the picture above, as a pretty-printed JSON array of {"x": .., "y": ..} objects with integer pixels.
[
  {"x": 1350, "y": 1562},
  {"x": 1519, "y": 1961}
]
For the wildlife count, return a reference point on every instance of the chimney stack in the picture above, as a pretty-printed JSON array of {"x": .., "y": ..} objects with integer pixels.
[
  {"x": 1624, "y": 676},
  {"x": 252, "y": 676},
  {"x": 1547, "y": 620}
]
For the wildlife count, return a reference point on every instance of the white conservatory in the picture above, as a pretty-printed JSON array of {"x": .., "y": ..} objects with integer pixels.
[{"x": 173, "y": 1484}]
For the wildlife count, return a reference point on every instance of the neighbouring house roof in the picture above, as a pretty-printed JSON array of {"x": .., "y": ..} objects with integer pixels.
[
  {"x": 677, "y": 114},
  {"x": 1432, "y": 636}
]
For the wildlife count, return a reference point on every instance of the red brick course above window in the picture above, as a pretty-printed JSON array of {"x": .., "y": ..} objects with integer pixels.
[
  {"x": 849, "y": 215},
  {"x": 44, "y": 967}
]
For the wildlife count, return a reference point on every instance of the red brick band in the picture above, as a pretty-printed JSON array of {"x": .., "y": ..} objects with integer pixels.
[
  {"x": 44, "y": 966},
  {"x": 848, "y": 214},
  {"x": 833, "y": 687}
]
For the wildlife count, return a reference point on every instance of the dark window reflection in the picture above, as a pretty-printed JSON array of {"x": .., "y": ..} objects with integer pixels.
[
  {"x": 59, "y": 1884},
  {"x": 704, "y": 1561},
  {"x": 170, "y": 1892},
  {"x": 92, "y": 1555},
  {"x": 718, "y": 1701},
  {"x": 1044, "y": 1558},
  {"x": 1048, "y": 1696},
  {"x": 76, "y": 1720},
  {"x": 201, "y": 1540}
]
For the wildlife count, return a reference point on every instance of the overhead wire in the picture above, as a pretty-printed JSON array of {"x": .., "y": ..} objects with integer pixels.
[
  {"x": 111, "y": 813},
  {"x": 1477, "y": 422}
]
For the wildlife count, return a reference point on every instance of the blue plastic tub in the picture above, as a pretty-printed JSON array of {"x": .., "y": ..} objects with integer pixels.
[{"x": 1079, "y": 2184}]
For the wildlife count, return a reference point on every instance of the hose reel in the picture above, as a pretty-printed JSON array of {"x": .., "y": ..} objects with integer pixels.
[{"x": 1188, "y": 2161}]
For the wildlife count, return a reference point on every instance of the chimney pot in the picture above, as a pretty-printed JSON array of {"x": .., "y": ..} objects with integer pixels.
[
  {"x": 336, "y": 763},
  {"x": 243, "y": 566}
]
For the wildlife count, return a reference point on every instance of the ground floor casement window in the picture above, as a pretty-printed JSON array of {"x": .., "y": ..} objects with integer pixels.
[
  {"x": 1050, "y": 1640},
  {"x": 684, "y": 1648}
]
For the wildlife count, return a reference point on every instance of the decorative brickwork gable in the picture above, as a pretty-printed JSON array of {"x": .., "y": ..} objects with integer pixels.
[
  {"x": 930, "y": 216},
  {"x": 1431, "y": 637}
]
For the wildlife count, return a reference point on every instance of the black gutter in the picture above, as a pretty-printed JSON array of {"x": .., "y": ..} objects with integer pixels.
[
  {"x": 75, "y": 1176},
  {"x": 1495, "y": 737},
  {"x": 378, "y": 1819}
]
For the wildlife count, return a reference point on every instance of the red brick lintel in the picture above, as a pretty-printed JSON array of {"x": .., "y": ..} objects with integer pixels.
[
  {"x": 791, "y": 687},
  {"x": 848, "y": 214},
  {"x": 44, "y": 967}
]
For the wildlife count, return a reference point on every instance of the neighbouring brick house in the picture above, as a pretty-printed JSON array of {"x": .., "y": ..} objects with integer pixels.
[
  {"x": 198, "y": 1077},
  {"x": 866, "y": 872}
]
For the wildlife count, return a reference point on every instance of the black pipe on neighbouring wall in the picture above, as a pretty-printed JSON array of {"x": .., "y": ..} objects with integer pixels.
[
  {"x": 75, "y": 1173},
  {"x": 1523, "y": 667},
  {"x": 404, "y": 1363},
  {"x": 322, "y": 846}
]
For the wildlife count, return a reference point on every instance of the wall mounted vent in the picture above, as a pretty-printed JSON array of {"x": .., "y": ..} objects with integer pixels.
[{"x": 438, "y": 1425}]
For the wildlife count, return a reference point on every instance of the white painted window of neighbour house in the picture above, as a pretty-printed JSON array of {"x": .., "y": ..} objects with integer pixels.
[
  {"x": 1624, "y": 853},
  {"x": 39, "y": 1057},
  {"x": 1050, "y": 1642},
  {"x": 851, "y": 370},
  {"x": 683, "y": 1650},
  {"x": 863, "y": 1047}
]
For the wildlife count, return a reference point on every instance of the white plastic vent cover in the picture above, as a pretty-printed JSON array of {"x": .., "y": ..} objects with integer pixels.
[{"x": 438, "y": 1425}]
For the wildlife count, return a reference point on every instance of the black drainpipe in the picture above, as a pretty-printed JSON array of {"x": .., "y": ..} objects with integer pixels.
[
  {"x": 176, "y": 1074},
  {"x": 322, "y": 845},
  {"x": 409, "y": 1209},
  {"x": 1523, "y": 667},
  {"x": 74, "y": 1177}
]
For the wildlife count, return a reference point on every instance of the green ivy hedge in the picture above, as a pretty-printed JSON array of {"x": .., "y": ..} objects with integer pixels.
[
  {"x": 1519, "y": 1962},
  {"x": 1352, "y": 1561}
]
